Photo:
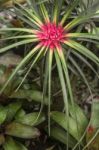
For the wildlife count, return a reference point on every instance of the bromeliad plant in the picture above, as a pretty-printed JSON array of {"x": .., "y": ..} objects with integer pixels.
[{"x": 52, "y": 33}]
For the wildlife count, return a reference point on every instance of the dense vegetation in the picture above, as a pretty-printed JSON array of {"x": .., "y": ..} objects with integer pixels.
[{"x": 49, "y": 74}]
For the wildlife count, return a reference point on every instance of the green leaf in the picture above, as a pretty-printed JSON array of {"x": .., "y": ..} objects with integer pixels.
[
  {"x": 69, "y": 9},
  {"x": 19, "y": 37},
  {"x": 62, "y": 81},
  {"x": 66, "y": 75},
  {"x": 36, "y": 59},
  {"x": 23, "y": 18},
  {"x": 79, "y": 116},
  {"x": 3, "y": 114},
  {"x": 56, "y": 10},
  {"x": 20, "y": 113},
  {"x": 61, "y": 135},
  {"x": 33, "y": 6},
  {"x": 31, "y": 119},
  {"x": 44, "y": 12},
  {"x": 27, "y": 13},
  {"x": 73, "y": 128},
  {"x": 23, "y": 62},
  {"x": 83, "y": 35},
  {"x": 21, "y": 130},
  {"x": 16, "y": 29},
  {"x": 83, "y": 50},
  {"x": 11, "y": 144},
  {"x": 95, "y": 113},
  {"x": 90, "y": 6},
  {"x": 49, "y": 86},
  {"x": 30, "y": 95},
  {"x": 79, "y": 20},
  {"x": 4, "y": 49},
  {"x": 12, "y": 110}
]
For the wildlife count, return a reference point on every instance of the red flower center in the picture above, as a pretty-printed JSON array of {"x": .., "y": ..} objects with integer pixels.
[{"x": 51, "y": 35}]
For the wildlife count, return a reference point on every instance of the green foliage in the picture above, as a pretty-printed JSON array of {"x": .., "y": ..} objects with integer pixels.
[
  {"x": 71, "y": 126},
  {"x": 31, "y": 119},
  {"x": 16, "y": 123},
  {"x": 3, "y": 114},
  {"x": 21, "y": 130},
  {"x": 79, "y": 32},
  {"x": 61, "y": 135},
  {"x": 30, "y": 95},
  {"x": 11, "y": 144}
]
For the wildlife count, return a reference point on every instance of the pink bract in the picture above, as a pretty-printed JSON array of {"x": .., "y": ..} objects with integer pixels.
[{"x": 51, "y": 35}]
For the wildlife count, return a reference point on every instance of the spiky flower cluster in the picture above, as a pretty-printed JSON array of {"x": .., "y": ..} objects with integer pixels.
[{"x": 51, "y": 35}]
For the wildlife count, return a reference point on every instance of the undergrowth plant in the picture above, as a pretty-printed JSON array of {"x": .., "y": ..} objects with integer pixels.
[
  {"x": 15, "y": 122},
  {"x": 56, "y": 35}
]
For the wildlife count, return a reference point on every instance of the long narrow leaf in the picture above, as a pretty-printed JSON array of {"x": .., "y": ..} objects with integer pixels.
[
  {"x": 23, "y": 62},
  {"x": 61, "y": 135},
  {"x": 34, "y": 18},
  {"x": 19, "y": 37},
  {"x": 80, "y": 19},
  {"x": 10, "y": 144},
  {"x": 44, "y": 12},
  {"x": 83, "y": 35},
  {"x": 62, "y": 81},
  {"x": 64, "y": 90},
  {"x": 66, "y": 74},
  {"x": 2, "y": 50},
  {"x": 57, "y": 7},
  {"x": 83, "y": 50},
  {"x": 18, "y": 29},
  {"x": 26, "y": 17},
  {"x": 69, "y": 9},
  {"x": 31, "y": 66},
  {"x": 33, "y": 6},
  {"x": 49, "y": 86},
  {"x": 64, "y": 63}
]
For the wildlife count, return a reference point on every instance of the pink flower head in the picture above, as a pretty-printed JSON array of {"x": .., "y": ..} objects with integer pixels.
[{"x": 51, "y": 35}]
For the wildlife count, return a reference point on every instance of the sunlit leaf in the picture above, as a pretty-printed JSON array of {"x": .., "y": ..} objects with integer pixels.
[
  {"x": 61, "y": 135},
  {"x": 12, "y": 110},
  {"x": 73, "y": 128},
  {"x": 11, "y": 144},
  {"x": 30, "y": 95},
  {"x": 31, "y": 119},
  {"x": 21, "y": 130},
  {"x": 3, "y": 114}
]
